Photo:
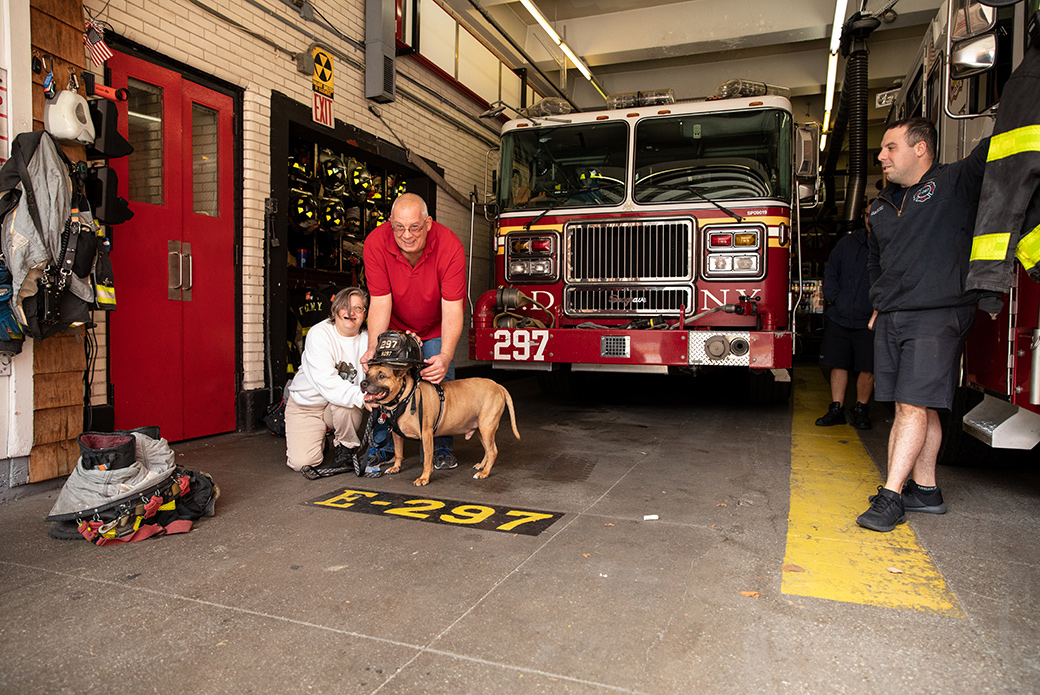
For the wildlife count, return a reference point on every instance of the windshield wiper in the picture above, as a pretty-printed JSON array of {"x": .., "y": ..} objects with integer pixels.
[{"x": 667, "y": 187}]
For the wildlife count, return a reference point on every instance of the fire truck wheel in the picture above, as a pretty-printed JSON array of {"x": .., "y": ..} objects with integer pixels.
[
  {"x": 763, "y": 389},
  {"x": 959, "y": 448}
]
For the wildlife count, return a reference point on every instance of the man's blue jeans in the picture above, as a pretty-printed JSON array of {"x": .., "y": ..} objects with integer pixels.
[{"x": 381, "y": 439}]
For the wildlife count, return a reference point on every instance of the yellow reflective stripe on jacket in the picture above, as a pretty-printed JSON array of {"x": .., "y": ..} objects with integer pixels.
[
  {"x": 105, "y": 294},
  {"x": 990, "y": 247},
  {"x": 1028, "y": 251},
  {"x": 1017, "y": 141}
]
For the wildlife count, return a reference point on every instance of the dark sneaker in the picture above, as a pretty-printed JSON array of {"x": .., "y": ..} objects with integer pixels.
[
  {"x": 444, "y": 461},
  {"x": 859, "y": 416},
  {"x": 375, "y": 456},
  {"x": 834, "y": 416},
  {"x": 917, "y": 500},
  {"x": 885, "y": 513},
  {"x": 344, "y": 456}
]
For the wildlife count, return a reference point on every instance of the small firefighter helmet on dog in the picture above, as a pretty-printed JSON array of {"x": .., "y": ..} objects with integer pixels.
[{"x": 396, "y": 349}]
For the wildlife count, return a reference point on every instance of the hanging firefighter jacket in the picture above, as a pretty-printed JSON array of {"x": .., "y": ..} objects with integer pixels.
[
  {"x": 1008, "y": 222},
  {"x": 48, "y": 242}
]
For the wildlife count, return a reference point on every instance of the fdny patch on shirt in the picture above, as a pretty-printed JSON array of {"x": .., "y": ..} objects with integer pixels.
[{"x": 925, "y": 192}]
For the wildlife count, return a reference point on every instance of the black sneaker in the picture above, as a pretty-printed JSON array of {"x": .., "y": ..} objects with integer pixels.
[
  {"x": 859, "y": 418},
  {"x": 885, "y": 513},
  {"x": 445, "y": 461},
  {"x": 344, "y": 456},
  {"x": 834, "y": 416},
  {"x": 917, "y": 500}
]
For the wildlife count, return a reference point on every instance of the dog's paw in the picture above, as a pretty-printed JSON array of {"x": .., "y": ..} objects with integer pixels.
[
  {"x": 480, "y": 475},
  {"x": 420, "y": 481},
  {"x": 394, "y": 470}
]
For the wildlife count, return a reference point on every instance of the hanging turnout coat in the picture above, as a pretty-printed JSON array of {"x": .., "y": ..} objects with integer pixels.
[
  {"x": 1008, "y": 223},
  {"x": 35, "y": 203}
]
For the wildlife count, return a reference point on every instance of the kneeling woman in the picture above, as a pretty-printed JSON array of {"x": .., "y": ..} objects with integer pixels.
[{"x": 325, "y": 392}]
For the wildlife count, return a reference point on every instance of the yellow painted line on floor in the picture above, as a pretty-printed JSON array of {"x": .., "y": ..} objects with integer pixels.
[{"x": 831, "y": 477}]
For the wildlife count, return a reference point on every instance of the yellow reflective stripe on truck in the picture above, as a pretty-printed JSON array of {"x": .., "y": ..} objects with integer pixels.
[
  {"x": 1017, "y": 141},
  {"x": 990, "y": 247}
]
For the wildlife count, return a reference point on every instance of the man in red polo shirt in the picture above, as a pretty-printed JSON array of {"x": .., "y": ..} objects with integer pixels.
[{"x": 416, "y": 274}]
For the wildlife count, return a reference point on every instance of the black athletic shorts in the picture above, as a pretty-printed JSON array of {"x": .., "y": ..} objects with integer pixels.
[
  {"x": 917, "y": 355},
  {"x": 847, "y": 348}
]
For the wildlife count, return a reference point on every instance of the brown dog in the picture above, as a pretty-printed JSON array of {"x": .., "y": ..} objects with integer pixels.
[{"x": 469, "y": 405}]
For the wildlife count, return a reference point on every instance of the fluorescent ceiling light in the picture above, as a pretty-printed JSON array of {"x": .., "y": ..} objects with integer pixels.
[
  {"x": 578, "y": 62},
  {"x": 840, "y": 7}
]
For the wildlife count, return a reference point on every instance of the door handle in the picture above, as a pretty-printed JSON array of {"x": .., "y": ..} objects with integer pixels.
[
  {"x": 187, "y": 272},
  {"x": 174, "y": 269}
]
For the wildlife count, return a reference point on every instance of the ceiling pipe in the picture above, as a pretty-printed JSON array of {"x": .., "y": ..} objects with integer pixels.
[{"x": 522, "y": 52}]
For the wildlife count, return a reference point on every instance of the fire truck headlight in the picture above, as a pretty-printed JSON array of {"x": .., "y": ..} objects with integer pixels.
[
  {"x": 745, "y": 264},
  {"x": 541, "y": 268},
  {"x": 517, "y": 268},
  {"x": 720, "y": 263}
]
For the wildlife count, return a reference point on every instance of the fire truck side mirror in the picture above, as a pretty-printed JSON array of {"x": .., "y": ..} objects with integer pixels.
[
  {"x": 807, "y": 163},
  {"x": 973, "y": 56}
]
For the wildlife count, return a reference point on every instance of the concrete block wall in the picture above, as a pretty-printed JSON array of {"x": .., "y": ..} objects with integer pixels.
[{"x": 253, "y": 46}]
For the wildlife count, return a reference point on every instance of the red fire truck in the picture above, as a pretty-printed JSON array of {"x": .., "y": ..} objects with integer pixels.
[
  {"x": 649, "y": 238},
  {"x": 998, "y": 402}
]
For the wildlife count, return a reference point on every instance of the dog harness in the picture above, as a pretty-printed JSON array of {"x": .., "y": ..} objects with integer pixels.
[{"x": 399, "y": 404}]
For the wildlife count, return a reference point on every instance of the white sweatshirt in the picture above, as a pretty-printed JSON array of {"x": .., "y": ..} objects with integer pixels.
[{"x": 318, "y": 382}]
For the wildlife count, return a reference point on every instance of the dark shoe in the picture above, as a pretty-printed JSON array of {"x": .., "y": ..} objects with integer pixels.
[
  {"x": 445, "y": 461},
  {"x": 859, "y": 416},
  {"x": 885, "y": 513},
  {"x": 344, "y": 456},
  {"x": 917, "y": 500},
  {"x": 375, "y": 457},
  {"x": 834, "y": 416}
]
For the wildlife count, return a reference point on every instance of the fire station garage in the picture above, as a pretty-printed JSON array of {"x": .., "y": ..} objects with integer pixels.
[{"x": 731, "y": 309}]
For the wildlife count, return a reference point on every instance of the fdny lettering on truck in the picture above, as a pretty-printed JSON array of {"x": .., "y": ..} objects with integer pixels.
[{"x": 713, "y": 298}]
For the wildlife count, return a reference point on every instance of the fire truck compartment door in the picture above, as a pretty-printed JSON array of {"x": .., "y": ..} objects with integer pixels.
[{"x": 1002, "y": 425}]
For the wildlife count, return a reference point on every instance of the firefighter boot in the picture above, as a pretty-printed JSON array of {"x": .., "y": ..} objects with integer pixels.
[
  {"x": 107, "y": 452},
  {"x": 835, "y": 415}
]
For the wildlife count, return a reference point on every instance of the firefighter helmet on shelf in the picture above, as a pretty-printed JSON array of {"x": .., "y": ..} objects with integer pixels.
[
  {"x": 395, "y": 186},
  {"x": 375, "y": 218},
  {"x": 397, "y": 349},
  {"x": 360, "y": 180},
  {"x": 333, "y": 175},
  {"x": 303, "y": 211},
  {"x": 299, "y": 168},
  {"x": 333, "y": 215}
]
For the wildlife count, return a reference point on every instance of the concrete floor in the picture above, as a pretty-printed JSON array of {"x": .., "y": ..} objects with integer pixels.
[{"x": 274, "y": 596}]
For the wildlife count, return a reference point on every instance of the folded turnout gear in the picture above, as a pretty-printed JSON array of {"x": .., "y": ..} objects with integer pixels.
[{"x": 111, "y": 497}]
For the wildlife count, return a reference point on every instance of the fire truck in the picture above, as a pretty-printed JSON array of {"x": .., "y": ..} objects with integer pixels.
[
  {"x": 956, "y": 80},
  {"x": 650, "y": 238}
]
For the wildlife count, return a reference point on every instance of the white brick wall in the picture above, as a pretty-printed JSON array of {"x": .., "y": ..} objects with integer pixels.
[{"x": 186, "y": 33}]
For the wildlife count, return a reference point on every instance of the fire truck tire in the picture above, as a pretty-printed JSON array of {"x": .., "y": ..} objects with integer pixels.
[
  {"x": 959, "y": 448},
  {"x": 763, "y": 389}
]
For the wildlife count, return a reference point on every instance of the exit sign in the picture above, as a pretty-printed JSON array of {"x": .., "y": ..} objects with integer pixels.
[{"x": 322, "y": 112}]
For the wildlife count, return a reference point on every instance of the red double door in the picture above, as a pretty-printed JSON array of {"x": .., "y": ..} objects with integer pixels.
[{"x": 172, "y": 335}]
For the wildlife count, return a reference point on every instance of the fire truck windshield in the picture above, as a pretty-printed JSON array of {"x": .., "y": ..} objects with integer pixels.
[
  {"x": 577, "y": 165},
  {"x": 721, "y": 156}
]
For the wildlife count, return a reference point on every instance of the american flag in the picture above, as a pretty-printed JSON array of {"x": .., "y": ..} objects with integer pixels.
[{"x": 94, "y": 37}]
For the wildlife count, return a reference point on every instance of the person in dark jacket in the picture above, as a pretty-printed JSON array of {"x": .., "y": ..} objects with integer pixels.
[
  {"x": 848, "y": 344},
  {"x": 921, "y": 228}
]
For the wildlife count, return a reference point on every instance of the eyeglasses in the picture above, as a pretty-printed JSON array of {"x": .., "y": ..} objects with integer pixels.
[{"x": 414, "y": 229}]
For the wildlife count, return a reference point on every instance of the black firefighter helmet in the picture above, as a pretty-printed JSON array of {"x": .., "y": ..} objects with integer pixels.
[{"x": 398, "y": 350}]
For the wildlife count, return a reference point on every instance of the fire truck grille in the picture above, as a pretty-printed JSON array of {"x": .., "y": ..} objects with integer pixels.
[
  {"x": 626, "y": 301},
  {"x": 636, "y": 251}
]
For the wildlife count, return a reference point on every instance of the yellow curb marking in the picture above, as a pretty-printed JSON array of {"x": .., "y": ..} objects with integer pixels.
[{"x": 831, "y": 477}]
